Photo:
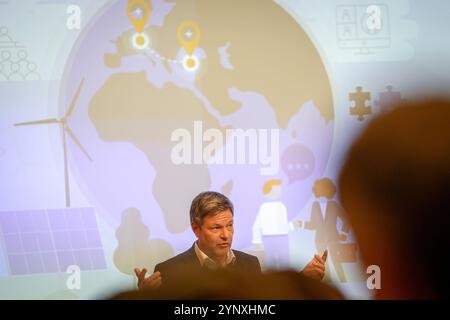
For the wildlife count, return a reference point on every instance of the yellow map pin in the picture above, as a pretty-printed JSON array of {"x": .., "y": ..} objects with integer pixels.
[
  {"x": 138, "y": 12},
  {"x": 189, "y": 36}
]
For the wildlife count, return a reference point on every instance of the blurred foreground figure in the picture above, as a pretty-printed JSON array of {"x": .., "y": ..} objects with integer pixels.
[
  {"x": 395, "y": 187},
  {"x": 228, "y": 285}
]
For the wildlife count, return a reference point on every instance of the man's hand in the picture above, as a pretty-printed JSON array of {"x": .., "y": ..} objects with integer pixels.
[
  {"x": 315, "y": 269},
  {"x": 152, "y": 282}
]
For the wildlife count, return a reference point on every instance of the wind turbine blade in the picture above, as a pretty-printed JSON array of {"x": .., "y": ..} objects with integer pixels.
[
  {"x": 45, "y": 121},
  {"x": 74, "y": 100},
  {"x": 77, "y": 142}
]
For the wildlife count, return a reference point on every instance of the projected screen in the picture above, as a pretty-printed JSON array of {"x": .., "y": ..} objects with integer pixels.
[{"x": 115, "y": 114}]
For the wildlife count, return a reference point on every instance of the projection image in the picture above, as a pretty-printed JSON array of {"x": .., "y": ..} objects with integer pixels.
[{"x": 115, "y": 114}]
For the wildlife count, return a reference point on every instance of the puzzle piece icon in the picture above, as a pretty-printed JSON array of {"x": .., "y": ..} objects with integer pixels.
[
  {"x": 358, "y": 103},
  {"x": 388, "y": 99}
]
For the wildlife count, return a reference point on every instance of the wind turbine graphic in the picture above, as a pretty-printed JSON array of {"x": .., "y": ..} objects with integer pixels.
[{"x": 65, "y": 129}]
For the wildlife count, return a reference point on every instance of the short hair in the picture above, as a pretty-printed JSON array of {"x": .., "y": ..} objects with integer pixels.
[
  {"x": 324, "y": 188},
  {"x": 209, "y": 203},
  {"x": 269, "y": 184}
]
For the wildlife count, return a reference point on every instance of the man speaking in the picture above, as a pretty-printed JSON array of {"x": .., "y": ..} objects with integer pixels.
[{"x": 211, "y": 217}]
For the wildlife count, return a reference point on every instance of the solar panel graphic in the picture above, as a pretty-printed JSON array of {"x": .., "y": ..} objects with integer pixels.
[{"x": 48, "y": 241}]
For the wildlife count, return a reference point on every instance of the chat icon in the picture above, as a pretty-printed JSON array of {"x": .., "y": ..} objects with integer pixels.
[{"x": 298, "y": 162}]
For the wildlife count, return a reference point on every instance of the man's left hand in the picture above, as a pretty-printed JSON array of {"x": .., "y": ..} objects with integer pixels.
[{"x": 315, "y": 269}]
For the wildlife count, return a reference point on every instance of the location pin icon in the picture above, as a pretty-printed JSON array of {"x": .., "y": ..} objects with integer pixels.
[
  {"x": 189, "y": 36},
  {"x": 138, "y": 12}
]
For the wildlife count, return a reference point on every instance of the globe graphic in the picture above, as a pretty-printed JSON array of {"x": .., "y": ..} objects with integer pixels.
[{"x": 257, "y": 70}]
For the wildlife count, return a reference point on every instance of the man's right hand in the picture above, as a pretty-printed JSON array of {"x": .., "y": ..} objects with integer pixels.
[
  {"x": 315, "y": 269},
  {"x": 152, "y": 282}
]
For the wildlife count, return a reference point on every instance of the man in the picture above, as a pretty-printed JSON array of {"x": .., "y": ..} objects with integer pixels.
[
  {"x": 211, "y": 218},
  {"x": 395, "y": 187}
]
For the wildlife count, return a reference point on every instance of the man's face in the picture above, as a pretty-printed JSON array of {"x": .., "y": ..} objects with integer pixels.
[{"x": 216, "y": 234}]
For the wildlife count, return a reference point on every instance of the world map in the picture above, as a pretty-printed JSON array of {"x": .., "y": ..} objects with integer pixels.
[{"x": 259, "y": 69}]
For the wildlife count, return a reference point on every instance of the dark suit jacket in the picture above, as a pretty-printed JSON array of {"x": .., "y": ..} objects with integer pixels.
[{"x": 186, "y": 265}]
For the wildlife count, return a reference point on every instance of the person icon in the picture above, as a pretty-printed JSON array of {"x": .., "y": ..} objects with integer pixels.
[
  {"x": 6, "y": 55},
  {"x": 2, "y": 75},
  {"x": 22, "y": 56},
  {"x": 345, "y": 16},
  {"x": 6, "y": 62},
  {"x": 327, "y": 234},
  {"x": 15, "y": 72},
  {"x": 31, "y": 72},
  {"x": 347, "y": 33},
  {"x": 271, "y": 227},
  {"x": 5, "y": 39}
]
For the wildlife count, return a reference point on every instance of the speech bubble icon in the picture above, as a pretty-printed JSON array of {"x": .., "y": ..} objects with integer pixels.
[{"x": 298, "y": 162}]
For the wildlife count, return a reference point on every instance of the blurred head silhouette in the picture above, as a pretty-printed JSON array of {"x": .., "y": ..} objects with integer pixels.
[
  {"x": 229, "y": 285},
  {"x": 395, "y": 187}
]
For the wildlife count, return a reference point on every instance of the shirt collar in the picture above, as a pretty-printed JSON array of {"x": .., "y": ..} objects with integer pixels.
[{"x": 210, "y": 263}]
